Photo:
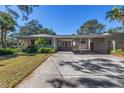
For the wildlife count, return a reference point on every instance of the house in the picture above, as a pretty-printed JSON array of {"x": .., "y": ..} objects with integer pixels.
[{"x": 100, "y": 43}]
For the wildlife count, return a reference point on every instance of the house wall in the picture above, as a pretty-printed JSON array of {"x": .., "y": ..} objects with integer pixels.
[
  {"x": 25, "y": 43},
  {"x": 74, "y": 44},
  {"x": 119, "y": 40},
  {"x": 85, "y": 46},
  {"x": 101, "y": 45},
  {"x": 79, "y": 45}
]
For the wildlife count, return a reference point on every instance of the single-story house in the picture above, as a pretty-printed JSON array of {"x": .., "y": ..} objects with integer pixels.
[{"x": 100, "y": 43}]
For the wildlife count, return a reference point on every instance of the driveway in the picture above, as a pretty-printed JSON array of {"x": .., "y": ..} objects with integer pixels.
[{"x": 66, "y": 69}]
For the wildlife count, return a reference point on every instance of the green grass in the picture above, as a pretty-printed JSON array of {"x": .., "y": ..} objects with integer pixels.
[{"x": 13, "y": 69}]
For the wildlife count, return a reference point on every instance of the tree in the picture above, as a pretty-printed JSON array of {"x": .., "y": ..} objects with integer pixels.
[
  {"x": 111, "y": 30},
  {"x": 24, "y": 10},
  {"x": 116, "y": 14},
  {"x": 12, "y": 39},
  {"x": 46, "y": 31},
  {"x": 41, "y": 42},
  {"x": 7, "y": 24},
  {"x": 34, "y": 27},
  {"x": 91, "y": 27},
  {"x": 117, "y": 29},
  {"x": 78, "y": 31},
  {"x": 7, "y": 19}
]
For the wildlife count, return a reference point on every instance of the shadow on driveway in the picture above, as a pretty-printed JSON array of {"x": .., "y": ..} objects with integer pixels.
[{"x": 111, "y": 74}]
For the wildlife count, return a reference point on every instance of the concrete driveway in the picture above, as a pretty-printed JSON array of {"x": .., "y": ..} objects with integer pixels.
[{"x": 66, "y": 69}]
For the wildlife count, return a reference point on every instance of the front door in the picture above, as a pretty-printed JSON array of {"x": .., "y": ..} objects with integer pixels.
[
  {"x": 91, "y": 45},
  {"x": 67, "y": 44}
]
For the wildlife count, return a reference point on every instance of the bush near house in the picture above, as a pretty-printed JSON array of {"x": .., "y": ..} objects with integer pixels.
[
  {"x": 118, "y": 52},
  {"x": 31, "y": 49},
  {"x": 5, "y": 51},
  {"x": 8, "y": 51},
  {"x": 46, "y": 50},
  {"x": 15, "y": 50},
  {"x": 35, "y": 49},
  {"x": 41, "y": 46}
]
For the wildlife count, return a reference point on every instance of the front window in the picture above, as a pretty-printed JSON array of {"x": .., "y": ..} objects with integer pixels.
[
  {"x": 49, "y": 42},
  {"x": 83, "y": 41}
]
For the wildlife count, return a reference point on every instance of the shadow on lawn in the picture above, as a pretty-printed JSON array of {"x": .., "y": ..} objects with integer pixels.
[
  {"x": 111, "y": 75},
  {"x": 2, "y": 65},
  {"x": 5, "y": 57}
]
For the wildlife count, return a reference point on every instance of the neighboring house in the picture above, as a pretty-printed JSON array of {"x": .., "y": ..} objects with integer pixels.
[{"x": 100, "y": 43}]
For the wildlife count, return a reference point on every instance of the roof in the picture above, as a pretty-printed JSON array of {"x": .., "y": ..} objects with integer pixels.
[
  {"x": 37, "y": 36},
  {"x": 83, "y": 36},
  {"x": 66, "y": 36}
]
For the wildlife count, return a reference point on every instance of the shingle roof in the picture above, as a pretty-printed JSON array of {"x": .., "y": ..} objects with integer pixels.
[
  {"x": 36, "y": 36},
  {"x": 66, "y": 36}
]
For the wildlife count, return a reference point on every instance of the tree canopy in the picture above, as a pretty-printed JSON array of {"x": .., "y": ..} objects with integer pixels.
[
  {"x": 7, "y": 23},
  {"x": 34, "y": 27},
  {"x": 8, "y": 19},
  {"x": 116, "y": 29},
  {"x": 116, "y": 14},
  {"x": 24, "y": 10},
  {"x": 91, "y": 27}
]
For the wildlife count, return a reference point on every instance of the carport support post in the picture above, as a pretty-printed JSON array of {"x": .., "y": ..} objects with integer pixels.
[
  {"x": 113, "y": 44},
  {"x": 89, "y": 44}
]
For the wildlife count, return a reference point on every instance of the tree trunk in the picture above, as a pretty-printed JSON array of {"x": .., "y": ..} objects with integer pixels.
[
  {"x": 2, "y": 39},
  {"x": 5, "y": 38}
]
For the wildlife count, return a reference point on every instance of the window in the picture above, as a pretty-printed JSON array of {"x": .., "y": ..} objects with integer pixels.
[
  {"x": 49, "y": 42},
  {"x": 77, "y": 42},
  {"x": 32, "y": 42},
  {"x": 83, "y": 41}
]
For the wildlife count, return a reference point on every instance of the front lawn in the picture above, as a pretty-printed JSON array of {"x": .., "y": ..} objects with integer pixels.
[{"x": 14, "y": 68}]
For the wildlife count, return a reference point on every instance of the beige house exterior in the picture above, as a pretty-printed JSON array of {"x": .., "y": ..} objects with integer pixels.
[{"x": 100, "y": 43}]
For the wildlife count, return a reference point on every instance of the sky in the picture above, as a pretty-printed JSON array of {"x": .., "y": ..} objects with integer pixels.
[{"x": 66, "y": 19}]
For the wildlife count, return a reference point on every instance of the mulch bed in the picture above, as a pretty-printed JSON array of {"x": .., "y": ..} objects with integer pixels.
[{"x": 118, "y": 55}]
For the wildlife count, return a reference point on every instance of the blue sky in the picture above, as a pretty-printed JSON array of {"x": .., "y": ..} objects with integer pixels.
[{"x": 67, "y": 19}]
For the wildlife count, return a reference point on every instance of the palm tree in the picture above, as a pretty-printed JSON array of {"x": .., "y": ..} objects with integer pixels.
[
  {"x": 116, "y": 14},
  {"x": 7, "y": 24}
]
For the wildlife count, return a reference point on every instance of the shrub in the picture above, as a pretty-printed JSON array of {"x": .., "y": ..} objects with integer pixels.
[
  {"x": 41, "y": 43},
  {"x": 5, "y": 51},
  {"x": 118, "y": 51},
  {"x": 15, "y": 50},
  {"x": 46, "y": 50},
  {"x": 31, "y": 49}
]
